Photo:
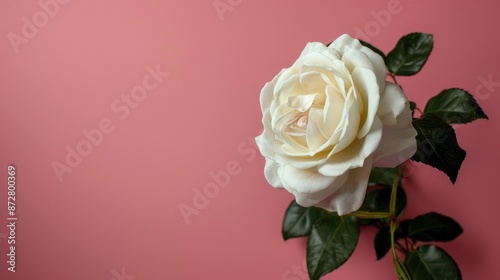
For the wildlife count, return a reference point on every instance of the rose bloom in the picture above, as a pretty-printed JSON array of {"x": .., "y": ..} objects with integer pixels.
[{"x": 328, "y": 119}]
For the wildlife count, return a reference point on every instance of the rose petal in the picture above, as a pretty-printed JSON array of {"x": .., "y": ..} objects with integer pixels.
[
  {"x": 301, "y": 103},
  {"x": 312, "y": 82},
  {"x": 286, "y": 85},
  {"x": 333, "y": 109},
  {"x": 398, "y": 142},
  {"x": 392, "y": 103},
  {"x": 355, "y": 154},
  {"x": 266, "y": 96},
  {"x": 328, "y": 75},
  {"x": 354, "y": 57},
  {"x": 303, "y": 180},
  {"x": 271, "y": 173},
  {"x": 314, "y": 136},
  {"x": 342, "y": 76},
  {"x": 308, "y": 186},
  {"x": 350, "y": 196},
  {"x": 312, "y": 47},
  {"x": 280, "y": 116},
  {"x": 342, "y": 41},
  {"x": 312, "y": 199},
  {"x": 300, "y": 162},
  {"x": 366, "y": 85},
  {"x": 379, "y": 69},
  {"x": 345, "y": 42},
  {"x": 346, "y": 131},
  {"x": 266, "y": 141},
  {"x": 316, "y": 54}
]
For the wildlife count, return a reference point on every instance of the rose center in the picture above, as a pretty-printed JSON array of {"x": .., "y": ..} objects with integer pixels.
[
  {"x": 301, "y": 122},
  {"x": 297, "y": 125}
]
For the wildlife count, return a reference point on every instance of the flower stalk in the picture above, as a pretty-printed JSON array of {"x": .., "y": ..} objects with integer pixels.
[
  {"x": 401, "y": 270},
  {"x": 370, "y": 215}
]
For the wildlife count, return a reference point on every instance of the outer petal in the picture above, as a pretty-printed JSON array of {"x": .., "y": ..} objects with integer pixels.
[
  {"x": 271, "y": 173},
  {"x": 398, "y": 142},
  {"x": 314, "y": 47},
  {"x": 351, "y": 195},
  {"x": 266, "y": 96},
  {"x": 303, "y": 180},
  {"x": 342, "y": 41},
  {"x": 266, "y": 143},
  {"x": 354, "y": 57},
  {"x": 378, "y": 66},
  {"x": 301, "y": 162},
  {"x": 322, "y": 58},
  {"x": 308, "y": 186}
]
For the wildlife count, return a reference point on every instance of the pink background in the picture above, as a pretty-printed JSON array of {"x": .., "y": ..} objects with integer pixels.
[{"x": 116, "y": 215}]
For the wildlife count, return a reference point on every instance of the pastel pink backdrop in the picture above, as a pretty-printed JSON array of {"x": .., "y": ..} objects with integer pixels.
[{"x": 116, "y": 215}]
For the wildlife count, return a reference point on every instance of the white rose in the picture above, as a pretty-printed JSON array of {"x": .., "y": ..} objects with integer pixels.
[{"x": 328, "y": 119}]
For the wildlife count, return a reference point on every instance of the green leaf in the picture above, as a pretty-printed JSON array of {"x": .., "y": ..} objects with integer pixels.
[
  {"x": 437, "y": 145},
  {"x": 382, "y": 242},
  {"x": 371, "y": 47},
  {"x": 382, "y": 176},
  {"x": 402, "y": 230},
  {"x": 378, "y": 201},
  {"x": 434, "y": 227},
  {"x": 299, "y": 220},
  {"x": 331, "y": 243},
  {"x": 413, "y": 106},
  {"x": 410, "y": 54},
  {"x": 455, "y": 105},
  {"x": 430, "y": 262}
]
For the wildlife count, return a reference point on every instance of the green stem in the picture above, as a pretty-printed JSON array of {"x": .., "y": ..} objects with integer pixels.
[
  {"x": 370, "y": 215},
  {"x": 401, "y": 270},
  {"x": 394, "y": 192},
  {"x": 393, "y": 227}
]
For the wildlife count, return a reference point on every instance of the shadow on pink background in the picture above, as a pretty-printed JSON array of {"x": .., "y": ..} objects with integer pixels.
[{"x": 112, "y": 210}]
